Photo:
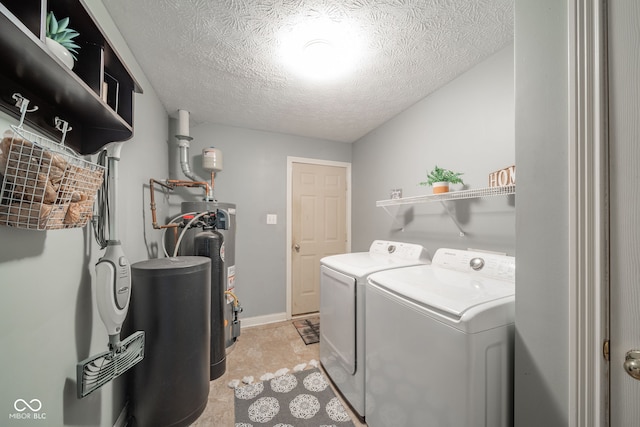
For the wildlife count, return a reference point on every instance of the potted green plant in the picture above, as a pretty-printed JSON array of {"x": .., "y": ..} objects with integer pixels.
[
  {"x": 60, "y": 40},
  {"x": 440, "y": 179}
]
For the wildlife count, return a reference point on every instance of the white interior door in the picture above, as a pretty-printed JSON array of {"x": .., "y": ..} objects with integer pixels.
[
  {"x": 319, "y": 228},
  {"x": 624, "y": 140}
]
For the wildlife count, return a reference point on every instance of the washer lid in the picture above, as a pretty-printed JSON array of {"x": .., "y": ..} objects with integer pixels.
[{"x": 449, "y": 292}]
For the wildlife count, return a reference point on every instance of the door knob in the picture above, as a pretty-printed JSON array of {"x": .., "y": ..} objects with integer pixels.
[
  {"x": 296, "y": 247},
  {"x": 632, "y": 363}
]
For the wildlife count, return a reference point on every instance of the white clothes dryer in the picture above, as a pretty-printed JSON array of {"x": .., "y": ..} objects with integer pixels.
[
  {"x": 342, "y": 301},
  {"x": 439, "y": 342}
]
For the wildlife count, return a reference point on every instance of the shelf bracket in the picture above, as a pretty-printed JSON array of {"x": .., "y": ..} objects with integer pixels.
[
  {"x": 395, "y": 219},
  {"x": 453, "y": 218}
]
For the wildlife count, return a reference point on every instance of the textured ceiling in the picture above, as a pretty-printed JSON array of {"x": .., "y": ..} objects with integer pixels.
[{"x": 221, "y": 59}]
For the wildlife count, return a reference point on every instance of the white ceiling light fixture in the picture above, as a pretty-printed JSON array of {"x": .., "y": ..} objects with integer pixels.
[
  {"x": 320, "y": 49},
  {"x": 320, "y": 59}
]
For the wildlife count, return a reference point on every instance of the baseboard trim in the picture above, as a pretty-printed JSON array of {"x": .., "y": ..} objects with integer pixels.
[{"x": 263, "y": 320}]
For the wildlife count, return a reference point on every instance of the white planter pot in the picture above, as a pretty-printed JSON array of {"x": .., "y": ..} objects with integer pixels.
[
  {"x": 440, "y": 187},
  {"x": 60, "y": 52}
]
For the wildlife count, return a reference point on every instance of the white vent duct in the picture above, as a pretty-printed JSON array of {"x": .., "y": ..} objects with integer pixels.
[{"x": 183, "y": 143}]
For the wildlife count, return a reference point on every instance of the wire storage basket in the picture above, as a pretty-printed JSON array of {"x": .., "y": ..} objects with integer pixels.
[{"x": 45, "y": 185}]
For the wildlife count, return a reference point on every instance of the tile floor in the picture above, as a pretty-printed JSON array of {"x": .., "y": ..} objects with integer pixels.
[{"x": 259, "y": 350}]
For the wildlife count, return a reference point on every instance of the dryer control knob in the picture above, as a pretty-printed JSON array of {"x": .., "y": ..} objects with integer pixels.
[{"x": 476, "y": 263}]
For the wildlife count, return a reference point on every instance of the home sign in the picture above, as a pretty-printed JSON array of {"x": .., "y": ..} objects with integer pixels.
[{"x": 503, "y": 177}]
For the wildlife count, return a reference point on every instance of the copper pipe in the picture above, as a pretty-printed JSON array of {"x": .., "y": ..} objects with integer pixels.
[
  {"x": 170, "y": 184},
  {"x": 181, "y": 183},
  {"x": 175, "y": 235},
  {"x": 154, "y": 221}
]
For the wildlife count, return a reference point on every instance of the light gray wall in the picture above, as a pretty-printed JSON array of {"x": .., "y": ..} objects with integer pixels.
[
  {"x": 48, "y": 317},
  {"x": 466, "y": 126},
  {"x": 542, "y": 300},
  {"x": 255, "y": 179}
]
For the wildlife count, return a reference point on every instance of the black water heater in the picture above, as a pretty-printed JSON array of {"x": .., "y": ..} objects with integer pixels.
[{"x": 208, "y": 243}]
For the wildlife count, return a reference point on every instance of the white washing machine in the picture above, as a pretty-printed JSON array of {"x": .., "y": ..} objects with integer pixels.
[
  {"x": 342, "y": 301},
  {"x": 439, "y": 342}
]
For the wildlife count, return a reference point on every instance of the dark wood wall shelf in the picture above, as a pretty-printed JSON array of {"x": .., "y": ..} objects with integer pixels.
[{"x": 76, "y": 96}]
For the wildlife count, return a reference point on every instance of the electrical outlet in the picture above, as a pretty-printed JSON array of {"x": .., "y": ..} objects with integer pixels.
[{"x": 272, "y": 219}]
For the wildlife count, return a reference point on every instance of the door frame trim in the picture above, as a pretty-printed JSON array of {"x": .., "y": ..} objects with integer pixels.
[
  {"x": 588, "y": 177},
  {"x": 289, "y": 241}
]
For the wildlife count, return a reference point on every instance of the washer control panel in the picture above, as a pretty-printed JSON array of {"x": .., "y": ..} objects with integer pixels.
[
  {"x": 485, "y": 264},
  {"x": 402, "y": 250}
]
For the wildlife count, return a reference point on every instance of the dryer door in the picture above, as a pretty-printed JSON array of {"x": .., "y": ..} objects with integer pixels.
[{"x": 337, "y": 319}]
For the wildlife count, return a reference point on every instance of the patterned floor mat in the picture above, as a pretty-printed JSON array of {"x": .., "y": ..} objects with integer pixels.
[{"x": 299, "y": 399}]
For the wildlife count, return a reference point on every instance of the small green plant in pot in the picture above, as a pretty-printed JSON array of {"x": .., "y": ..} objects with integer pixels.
[
  {"x": 440, "y": 179},
  {"x": 59, "y": 35}
]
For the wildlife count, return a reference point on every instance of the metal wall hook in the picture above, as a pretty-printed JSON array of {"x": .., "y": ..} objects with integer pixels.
[
  {"x": 62, "y": 126},
  {"x": 22, "y": 104}
]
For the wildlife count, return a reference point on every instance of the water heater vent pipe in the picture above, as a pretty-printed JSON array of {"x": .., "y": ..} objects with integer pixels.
[{"x": 183, "y": 143}]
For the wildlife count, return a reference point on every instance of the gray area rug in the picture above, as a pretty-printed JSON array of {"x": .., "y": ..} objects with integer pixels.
[{"x": 300, "y": 399}]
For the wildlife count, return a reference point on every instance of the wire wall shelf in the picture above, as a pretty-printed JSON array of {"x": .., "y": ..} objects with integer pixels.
[
  {"x": 45, "y": 185},
  {"x": 452, "y": 195}
]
